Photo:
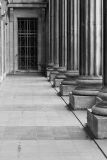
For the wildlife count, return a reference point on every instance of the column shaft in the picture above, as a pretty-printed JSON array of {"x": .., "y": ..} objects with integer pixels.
[
  {"x": 70, "y": 53},
  {"x": 90, "y": 62},
  {"x": 90, "y": 80},
  {"x": 76, "y": 37},
  {"x": 96, "y": 123},
  {"x": 73, "y": 36},
  {"x": 49, "y": 56},
  {"x": 51, "y": 37},
  {"x": 84, "y": 39},
  {"x": 91, "y": 39},
  {"x": 52, "y": 30},
  {"x": 56, "y": 37},
  {"x": 62, "y": 42},
  {"x": 73, "y": 52},
  {"x": 56, "y": 53},
  {"x": 62, "y": 33},
  {"x": 99, "y": 38}
]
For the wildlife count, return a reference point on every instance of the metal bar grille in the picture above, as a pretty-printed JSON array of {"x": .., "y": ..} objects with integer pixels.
[{"x": 27, "y": 43}]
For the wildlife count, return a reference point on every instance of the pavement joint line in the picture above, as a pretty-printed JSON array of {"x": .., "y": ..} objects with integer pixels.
[{"x": 81, "y": 123}]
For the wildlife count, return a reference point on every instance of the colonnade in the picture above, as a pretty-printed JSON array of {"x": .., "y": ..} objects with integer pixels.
[{"x": 78, "y": 45}]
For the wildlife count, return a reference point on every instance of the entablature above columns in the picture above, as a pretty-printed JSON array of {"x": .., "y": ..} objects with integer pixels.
[
  {"x": 36, "y": 5},
  {"x": 27, "y": 4}
]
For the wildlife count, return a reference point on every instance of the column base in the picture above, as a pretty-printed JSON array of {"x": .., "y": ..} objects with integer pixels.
[
  {"x": 48, "y": 71},
  {"x": 52, "y": 75},
  {"x": 58, "y": 79},
  {"x": 97, "y": 124},
  {"x": 84, "y": 96},
  {"x": 69, "y": 84},
  {"x": 77, "y": 102},
  {"x": 65, "y": 89}
]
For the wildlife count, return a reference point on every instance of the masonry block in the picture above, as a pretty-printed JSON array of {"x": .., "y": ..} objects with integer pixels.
[
  {"x": 57, "y": 82},
  {"x": 66, "y": 89},
  {"x": 97, "y": 124},
  {"x": 81, "y": 102}
]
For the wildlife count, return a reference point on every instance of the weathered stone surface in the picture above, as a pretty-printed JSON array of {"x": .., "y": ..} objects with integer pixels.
[
  {"x": 97, "y": 124},
  {"x": 52, "y": 75},
  {"x": 81, "y": 102},
  {"x": 57, "y": 82},
  {"x": 26, "y": 1},
  {"x": 48, "y": 71},
  {"x": 66, "y": 89}
]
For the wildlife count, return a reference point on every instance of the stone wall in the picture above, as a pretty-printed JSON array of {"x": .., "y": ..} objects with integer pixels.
[{"x": 27, "y": 1}]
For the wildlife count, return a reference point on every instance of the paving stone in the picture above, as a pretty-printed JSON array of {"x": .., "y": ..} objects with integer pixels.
[{"x": 35, "y": 123}]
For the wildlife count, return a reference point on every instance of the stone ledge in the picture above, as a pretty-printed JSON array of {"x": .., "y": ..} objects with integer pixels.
[
  {"x": 97, "y": 125},
  {"x": 28, "y": 5}
]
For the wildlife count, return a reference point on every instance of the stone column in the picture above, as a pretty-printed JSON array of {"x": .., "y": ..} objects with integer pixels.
[
  {"x": 90, "y": 81},
  {"x": 73, "y": 48},
  {"x": 1, "y": 47},
  {"x": 55, "y": 41},
  {"x": 97, "y": 116},
  {"x": 11, "y": 39},
  {"x": 61, "y": 17},
  {"x": 51, "y": 56},
  {"x": 63, "y": 34},
  {"x": 63, "y": 43}
]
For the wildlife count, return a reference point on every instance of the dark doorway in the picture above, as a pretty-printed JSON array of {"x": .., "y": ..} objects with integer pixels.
[{"x": 27, "y": 44}]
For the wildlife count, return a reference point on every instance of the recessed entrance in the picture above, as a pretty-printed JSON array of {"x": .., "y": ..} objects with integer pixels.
[{"x": 27, "y": 44}]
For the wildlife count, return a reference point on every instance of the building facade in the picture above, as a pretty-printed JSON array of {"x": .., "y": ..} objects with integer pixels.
[
  {"x": 66, "y": 39},
  {"x": 24, "y": 35}
]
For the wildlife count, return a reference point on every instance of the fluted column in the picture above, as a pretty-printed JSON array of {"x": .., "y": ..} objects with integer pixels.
[
  {"x": 73, "y": 48},
  {"x": 51, "y": 32},
  {"x": 50, "y": 56},
  {"x": 73, "y": 36},
  {"x": 90, "y": 80},
  {"x": 62, "y": 33},
  {"x": 62, "y": 37},
  {"x": 56, "y": 39},
  {"x": 52, "y": 29},
  {"x": 97, "y": 116},
  {"x": 91, "y": 47},
  {"x": 63, "y": 43},
  {"x": 101, "y": 108}
]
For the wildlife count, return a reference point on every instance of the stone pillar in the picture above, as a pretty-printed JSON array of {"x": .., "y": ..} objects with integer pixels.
[
  {"x": 62, "y": 36},
  {"x": 63, "y": 43},
  {"x": 97, "y": 116},
  {"x": 51, "y": 56},
  {"x": 55, "y": 41},
  {"x": 90, "y": 81},
  {"x": 11, "y": 38},
  {"x": 73, "y": 48},
  {"x": 1, "y": 48}
]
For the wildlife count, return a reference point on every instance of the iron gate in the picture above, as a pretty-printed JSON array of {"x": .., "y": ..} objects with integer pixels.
[{"x": 27, "y": 43}]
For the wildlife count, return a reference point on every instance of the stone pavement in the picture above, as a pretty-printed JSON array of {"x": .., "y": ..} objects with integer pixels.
[{"x": 35, "y": 124}]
